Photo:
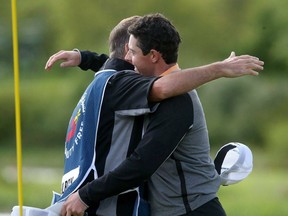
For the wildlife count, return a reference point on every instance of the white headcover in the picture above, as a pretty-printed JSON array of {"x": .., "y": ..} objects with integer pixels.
[{"x": 233, "y": 162}]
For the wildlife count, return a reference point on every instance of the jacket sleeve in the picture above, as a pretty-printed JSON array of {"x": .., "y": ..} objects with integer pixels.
[
  {"x": 167, "y": 126},
  {"x": 92, "y": 60}
]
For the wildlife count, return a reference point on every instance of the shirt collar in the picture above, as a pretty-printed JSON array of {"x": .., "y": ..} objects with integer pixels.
[
  {"x": 117, "y": 64},
  {"x": 171, "y": 69}
]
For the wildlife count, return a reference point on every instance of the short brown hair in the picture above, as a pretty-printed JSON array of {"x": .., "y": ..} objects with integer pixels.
[{"x": 119, "y": 36}]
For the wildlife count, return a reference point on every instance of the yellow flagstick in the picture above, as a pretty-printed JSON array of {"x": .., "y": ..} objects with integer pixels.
[{"x": 17, "y": 104}]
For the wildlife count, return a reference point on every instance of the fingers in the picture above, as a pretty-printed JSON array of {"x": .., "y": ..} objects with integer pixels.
[
  {"x": 253, "y": 68},
  {"x": 66, "y": 63},
  {"x": 254, "y": 63},
  {"x": 73, "y": 206},
  {"x": 57, "y": 56},
  {"x": 247, "y": 57},
  {"x": 69, "y": 58},
  {"x": 70, "y": 212},
  {"x": 237, "y": 66},
  {"x": 241, "y": 57},
  {"x": 63, "y": 211},
  {"x": 232, "y": 54},
  {"x": 253, "y": 73},
  {"x": 257, "y": 67}
]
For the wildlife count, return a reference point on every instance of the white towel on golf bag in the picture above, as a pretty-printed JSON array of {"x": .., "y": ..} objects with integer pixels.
[{"x": 53, "y": 210}]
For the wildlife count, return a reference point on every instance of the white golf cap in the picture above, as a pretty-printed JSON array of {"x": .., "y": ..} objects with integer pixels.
[{"x": 233, "y": 162}]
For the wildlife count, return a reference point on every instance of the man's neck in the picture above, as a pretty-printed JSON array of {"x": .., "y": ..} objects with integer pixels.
[{"x": 169, "y": 69}]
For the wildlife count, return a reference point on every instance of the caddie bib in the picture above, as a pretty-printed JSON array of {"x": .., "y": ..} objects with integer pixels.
[{"x": 81, "y": 136}]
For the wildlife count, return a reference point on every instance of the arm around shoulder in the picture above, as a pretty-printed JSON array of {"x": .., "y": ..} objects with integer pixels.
[
  {"x": 186, "y": 80},
  {"x": 183, "y": 81}
]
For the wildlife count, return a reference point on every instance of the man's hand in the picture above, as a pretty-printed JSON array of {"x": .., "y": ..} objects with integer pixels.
[
  {"x": 236, "y": 66},
  {"x": 73, "y": 206},
  {"x": 69, "y": 58}
]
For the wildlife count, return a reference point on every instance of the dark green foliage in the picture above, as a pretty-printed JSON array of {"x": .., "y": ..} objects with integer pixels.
[{"x": 243, "y": 109}]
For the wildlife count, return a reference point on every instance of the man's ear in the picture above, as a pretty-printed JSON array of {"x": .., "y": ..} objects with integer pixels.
[{"x": 155, "y": 55}]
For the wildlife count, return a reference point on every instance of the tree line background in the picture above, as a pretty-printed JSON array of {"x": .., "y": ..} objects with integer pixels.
[{"x": 252, "y": 110}]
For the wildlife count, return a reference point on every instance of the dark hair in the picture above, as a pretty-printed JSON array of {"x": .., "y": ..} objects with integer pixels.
[
  {"x": 119, "y": 36},
  {"x": 154, "y": 31}
]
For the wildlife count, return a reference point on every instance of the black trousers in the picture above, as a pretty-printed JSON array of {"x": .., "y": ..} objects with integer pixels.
[{"x": 211, "y": 208}]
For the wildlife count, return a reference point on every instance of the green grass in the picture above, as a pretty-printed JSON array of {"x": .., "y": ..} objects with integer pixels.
[
  {"x": 263, "y": 193},
  {"x": 37, "y": 186}
]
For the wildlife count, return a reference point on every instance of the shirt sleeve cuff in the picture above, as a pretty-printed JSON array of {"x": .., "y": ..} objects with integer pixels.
[
  {"x": 82, "y": 200},
  {"x": 83, "y": 195}
]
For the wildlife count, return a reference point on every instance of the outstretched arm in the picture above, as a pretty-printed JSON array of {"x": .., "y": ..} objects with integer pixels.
[
  {"x": 84, "y": 59},
  {"x": 68, "y": 58},
  {"x": 185, "y": 80}
]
